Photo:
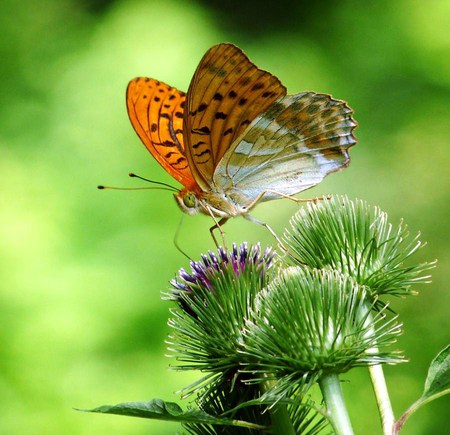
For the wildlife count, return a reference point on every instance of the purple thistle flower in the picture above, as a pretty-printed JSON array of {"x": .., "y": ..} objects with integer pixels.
[
  {"x": 213, "y": 301},
  {"x": 238, "y": 261}
]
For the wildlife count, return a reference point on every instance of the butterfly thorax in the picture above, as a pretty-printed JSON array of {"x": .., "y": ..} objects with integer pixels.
[{"x": 209, "y": 203}]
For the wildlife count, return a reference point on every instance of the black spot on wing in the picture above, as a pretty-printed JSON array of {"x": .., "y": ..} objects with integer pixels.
[
  {"x": 202, "y": 107},
  {"x": 268, "y": 94},
  {"x": 168, "y": 143},
  {"x": 244, "y": 81},
  {"x": 196, "y": 145},
  {"x": 203, "y": 153},
  {"x": 257, "y": 86},
  {"x": 202, "y": 130}
]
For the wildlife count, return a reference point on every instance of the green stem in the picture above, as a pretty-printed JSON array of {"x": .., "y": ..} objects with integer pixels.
[
  {"x": 414, "y": 407},
  {"x": 334, "y": 401},
  {"x": 380, "y": 389},
  {"x": 281, "y": 423},
  {"x": 279, "y": 416},
  {"x": 382, "y": 398}
]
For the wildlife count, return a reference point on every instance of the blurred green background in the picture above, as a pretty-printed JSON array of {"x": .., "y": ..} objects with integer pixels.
[{"x": 82, "y": 270}]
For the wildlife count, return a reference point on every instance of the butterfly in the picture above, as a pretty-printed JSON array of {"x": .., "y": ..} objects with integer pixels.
[{"x": 236, "y": 138}]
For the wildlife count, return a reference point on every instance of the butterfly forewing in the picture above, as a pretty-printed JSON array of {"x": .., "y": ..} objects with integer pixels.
[
  {"x": 156, "y": 113},
  {"x": 226, "y": 93},
  {"x": 290, "y": 147}
]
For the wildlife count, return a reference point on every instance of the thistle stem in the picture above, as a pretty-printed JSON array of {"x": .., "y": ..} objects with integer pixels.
[
  {"x": 382, "y": 398},
  {"x": 281, "y": 423},
  {"x": 279, "y": 416},
  {"x": 381, "y": 392},
  {"x": 334, "y": 401}
]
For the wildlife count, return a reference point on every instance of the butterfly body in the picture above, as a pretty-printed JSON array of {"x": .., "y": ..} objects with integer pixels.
[
  {"x": 236, "y": 138},
  {"x": 212, "y": 203}
]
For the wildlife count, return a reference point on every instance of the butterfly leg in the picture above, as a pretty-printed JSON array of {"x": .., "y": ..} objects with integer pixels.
[
  {"x": 282, "y": 195},
  {"x": 176, "y": 236},
  {"x": 218, "y": 225},
  {"x": 297, "y": 200},
  {"x": 274, "y": 234}
]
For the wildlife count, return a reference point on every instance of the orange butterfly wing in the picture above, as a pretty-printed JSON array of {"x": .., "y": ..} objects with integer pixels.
[
  {"x": 226, "y": 94},
  {"x": 156, "y": 113}
]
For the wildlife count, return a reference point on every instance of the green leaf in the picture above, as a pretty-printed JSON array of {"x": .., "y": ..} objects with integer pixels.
[
  {"x": 438, "y": 378},
  {"x": 170, "y": 411},
  {"x": 437, "y": 384}
]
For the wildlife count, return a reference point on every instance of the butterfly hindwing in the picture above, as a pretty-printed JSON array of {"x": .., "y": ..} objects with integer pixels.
[
  {"x": 226, "y": 94},
  {"x": 288, "y": 148},
  {"x": 156, "y": 113}
]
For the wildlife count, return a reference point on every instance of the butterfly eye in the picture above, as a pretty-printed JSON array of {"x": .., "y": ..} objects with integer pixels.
[{"x": 189, "y": 200}]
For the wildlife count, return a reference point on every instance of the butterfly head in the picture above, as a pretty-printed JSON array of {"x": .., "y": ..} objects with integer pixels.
[{"x": 187, "y": 201}]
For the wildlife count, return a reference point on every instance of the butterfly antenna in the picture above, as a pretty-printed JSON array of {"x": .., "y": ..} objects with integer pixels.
[
  {"x": 175, "y": 238},
  {"x": 101, "y": 187},
  {"x": 133, "y": 175}
]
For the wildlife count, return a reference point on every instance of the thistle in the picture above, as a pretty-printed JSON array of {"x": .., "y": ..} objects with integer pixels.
[
  {"x": 265, "y": 332},
  {"x": 359, "y": 241},
  {"x": 308, "y": 323},
  {"x": 214, "y": 300}
]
